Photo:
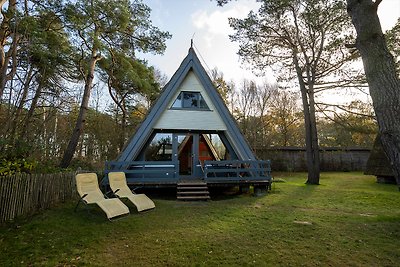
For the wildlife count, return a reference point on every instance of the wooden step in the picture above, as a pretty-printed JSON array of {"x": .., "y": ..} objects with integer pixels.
[
  {"x": 192, "y": 184},
  {"x": 204, "y": 192},
  {"x": 193, "y": 197},
  {"x": 192, "y": 190},
  {"x": 192, "y": 187}
]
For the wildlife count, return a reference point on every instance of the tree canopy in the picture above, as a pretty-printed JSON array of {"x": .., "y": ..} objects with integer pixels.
[
  {"x": 113, "y": 31},
  {"x": 54, "y": 53},
  {"x": 302, "y": 40}
]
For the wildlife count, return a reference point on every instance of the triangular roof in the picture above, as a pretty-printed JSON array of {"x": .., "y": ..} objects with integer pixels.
[{"x": 145, "y": 130}]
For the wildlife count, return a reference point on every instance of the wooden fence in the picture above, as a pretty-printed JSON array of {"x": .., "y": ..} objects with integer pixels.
[
  {"x": 332, "y": 158},
  {"x": 25, "y": 194}
]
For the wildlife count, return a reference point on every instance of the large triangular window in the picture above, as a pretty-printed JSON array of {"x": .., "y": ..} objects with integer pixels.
[{"x": 190, "y": 100}]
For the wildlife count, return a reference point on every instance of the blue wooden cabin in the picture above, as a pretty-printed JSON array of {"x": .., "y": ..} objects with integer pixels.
[{"x": 190, "y": 135}]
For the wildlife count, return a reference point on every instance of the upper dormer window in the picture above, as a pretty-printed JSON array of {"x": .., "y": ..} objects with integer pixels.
[{"x": 190, "y": 100}]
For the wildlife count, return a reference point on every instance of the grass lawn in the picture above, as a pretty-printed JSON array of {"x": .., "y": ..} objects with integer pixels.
[{"x": 348, "y": 220}]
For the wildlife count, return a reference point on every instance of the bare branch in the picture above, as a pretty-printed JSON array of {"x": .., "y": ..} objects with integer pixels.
[
  {"x": 376, "y": 3},
  {"x": 346, "y": 109}
]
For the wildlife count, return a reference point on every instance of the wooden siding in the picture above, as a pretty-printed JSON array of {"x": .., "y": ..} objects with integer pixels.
[{"x": 182, "y": 119}]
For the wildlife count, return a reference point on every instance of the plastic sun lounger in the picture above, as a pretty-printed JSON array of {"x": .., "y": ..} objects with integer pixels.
[
  {"x": 89, "y": 191},
  {"x": 120, "y": 188}
]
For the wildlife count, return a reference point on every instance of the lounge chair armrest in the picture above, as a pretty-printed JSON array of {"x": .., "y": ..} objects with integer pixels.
[
  {"x": 133, "y": 190},
  {"x": 108, "y": 193},
  {"x": 111, "y": 193}
]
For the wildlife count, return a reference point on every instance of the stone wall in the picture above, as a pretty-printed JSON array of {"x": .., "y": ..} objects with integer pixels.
[{"x": 332, "y": 158}]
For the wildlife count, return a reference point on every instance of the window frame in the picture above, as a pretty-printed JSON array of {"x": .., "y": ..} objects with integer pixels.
[{"x": 199, "y": 98}]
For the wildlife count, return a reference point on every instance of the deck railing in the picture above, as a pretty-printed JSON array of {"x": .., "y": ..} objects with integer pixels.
[
  {"x": 237, "y": 170},
  {"x": 146, "y": 171},
  {"x": 213, "y": 171}
]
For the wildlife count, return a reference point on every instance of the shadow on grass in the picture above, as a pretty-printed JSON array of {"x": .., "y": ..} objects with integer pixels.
[{"x": 216, "y": 193}]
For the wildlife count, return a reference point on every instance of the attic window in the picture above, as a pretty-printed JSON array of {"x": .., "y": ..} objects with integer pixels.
[{"x": 190, "y": 100}]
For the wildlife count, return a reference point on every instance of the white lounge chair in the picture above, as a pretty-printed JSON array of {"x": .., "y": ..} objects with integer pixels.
[
  {"x": 89, "y": 191},
  {"x": 120, "y": 188}
]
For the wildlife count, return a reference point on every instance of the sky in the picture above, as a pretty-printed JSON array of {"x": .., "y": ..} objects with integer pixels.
[{"x": 207, "y": 24}]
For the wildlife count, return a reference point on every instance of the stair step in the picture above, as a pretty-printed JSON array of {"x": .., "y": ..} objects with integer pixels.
[
  {"x": 192, "y": 184},
  {"x": 192, "y": 188},
  {"x": 194, "y": 193},
  {"x": 193, "y": 197}
]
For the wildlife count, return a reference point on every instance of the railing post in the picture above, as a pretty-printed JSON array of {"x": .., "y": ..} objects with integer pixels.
[
  {"x": 205, "y": 171},
  {"x": 237, "y": 170}
]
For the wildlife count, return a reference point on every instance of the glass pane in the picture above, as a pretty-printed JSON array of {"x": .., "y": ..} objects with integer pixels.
[
  {"x": 218, "y": 146},
  {"x": 185, "y": 144},
  {"x": 178, "y": 102},
  {"x": 203, "y": 103},
  {"x": 190, "y": 100},
  {"x": 206, "y": 149},
  {"x": 160, "y": 148}
]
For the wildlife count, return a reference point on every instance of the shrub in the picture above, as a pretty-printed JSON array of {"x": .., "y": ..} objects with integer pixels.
[
  {"x": 15, "y": 158},
  {"x": 12, "y": 166}
]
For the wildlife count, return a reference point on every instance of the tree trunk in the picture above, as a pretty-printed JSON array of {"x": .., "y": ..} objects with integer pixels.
[
  {"x": 123, "y": 126},
  {"x": 311, "y": 138},
  {"x": 11, "y": 54},
  {"x": 32, "y": 108},
  {"x": 121, "y": 105},
  {"x": 314, "y": 139},
  {"x": 18, "y": 112},
  {"x": 5, "y": 32},
  {"x": 73, "y": 142},
  {"x": 382, "y": 78}
]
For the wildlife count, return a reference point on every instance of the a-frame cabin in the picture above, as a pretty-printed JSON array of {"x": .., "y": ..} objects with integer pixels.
[{"x": 189, "y": 134}]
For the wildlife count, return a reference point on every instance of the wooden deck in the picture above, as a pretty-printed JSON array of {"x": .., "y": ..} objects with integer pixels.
[{"x": 215, "y": 173}]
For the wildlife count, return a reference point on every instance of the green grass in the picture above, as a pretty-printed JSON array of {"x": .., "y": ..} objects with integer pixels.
[{"x": 348, "y": 220}]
